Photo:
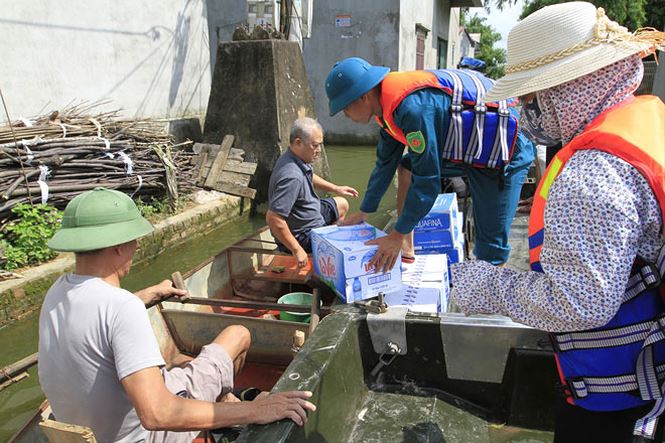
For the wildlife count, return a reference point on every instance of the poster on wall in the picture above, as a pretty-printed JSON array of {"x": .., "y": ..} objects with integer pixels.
[{"x": 343, "y": 21}]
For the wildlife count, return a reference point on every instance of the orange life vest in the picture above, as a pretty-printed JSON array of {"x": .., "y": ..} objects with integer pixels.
[
  {"x": 634, "y": 131},
  {"x": 394, "y": 88}
]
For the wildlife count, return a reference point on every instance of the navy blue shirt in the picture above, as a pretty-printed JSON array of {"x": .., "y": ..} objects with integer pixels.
[{"x": 291, "y": 194}]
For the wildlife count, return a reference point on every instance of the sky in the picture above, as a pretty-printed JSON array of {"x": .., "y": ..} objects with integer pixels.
[{"x": 501, "y": 21}]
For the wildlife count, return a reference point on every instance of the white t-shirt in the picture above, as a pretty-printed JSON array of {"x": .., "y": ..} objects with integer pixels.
[{"x": 92, "y": 335}]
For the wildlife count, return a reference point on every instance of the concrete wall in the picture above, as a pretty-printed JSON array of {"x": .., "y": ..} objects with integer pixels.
[
  {"x": 259, "y": 89},
  {"x": 150, "y": 58},
  {"x": 373, "y": 35},
  {"x": 224, "y": 16},
  {"x": 454, "y": 39}
]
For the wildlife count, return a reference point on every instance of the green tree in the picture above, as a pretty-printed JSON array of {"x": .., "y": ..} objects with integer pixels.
[
  {"x": 632, "y": 14},
  {"x": 495, "y": 58}
]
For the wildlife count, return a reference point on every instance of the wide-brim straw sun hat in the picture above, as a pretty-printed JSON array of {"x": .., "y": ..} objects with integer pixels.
[
  {"x": 99, "y": 219},
  {"x": 562, "y": 42}
]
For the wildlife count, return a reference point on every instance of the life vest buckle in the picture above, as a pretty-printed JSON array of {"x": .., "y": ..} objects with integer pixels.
[
  {"x": 575, "y": 387},
  {"x": 480, "y": 108},
  {"x": 650, "y": 276},
  {"x": 455, "y": 107}
]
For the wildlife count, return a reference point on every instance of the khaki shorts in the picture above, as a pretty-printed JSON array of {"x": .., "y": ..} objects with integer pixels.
[{"x": 204, "y": 378}]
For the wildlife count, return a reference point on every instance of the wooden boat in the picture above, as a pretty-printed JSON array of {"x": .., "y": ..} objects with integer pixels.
[{"x": 219, "y": 289}]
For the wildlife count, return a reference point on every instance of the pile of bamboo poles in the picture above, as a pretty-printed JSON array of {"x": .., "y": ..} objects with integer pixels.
[{"x": 56, "y": 156}]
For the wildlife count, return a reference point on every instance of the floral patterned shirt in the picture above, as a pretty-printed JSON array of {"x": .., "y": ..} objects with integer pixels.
[{"x": 600, "y": 215}]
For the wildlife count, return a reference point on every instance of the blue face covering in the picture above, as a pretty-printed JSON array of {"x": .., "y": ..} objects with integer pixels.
[{"x": 531, "y": 124}]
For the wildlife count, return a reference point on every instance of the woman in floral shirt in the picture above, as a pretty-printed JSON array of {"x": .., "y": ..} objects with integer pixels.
[{"x": 598, "y": 216}]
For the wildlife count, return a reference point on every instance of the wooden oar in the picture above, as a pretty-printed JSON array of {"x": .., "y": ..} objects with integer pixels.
[{"x": 179, "y": 283}]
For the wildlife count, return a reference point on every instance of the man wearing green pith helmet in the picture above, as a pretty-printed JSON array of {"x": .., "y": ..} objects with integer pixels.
[
  {"x": 100, "y": 365},
  {"x": 448, "y": 130}
]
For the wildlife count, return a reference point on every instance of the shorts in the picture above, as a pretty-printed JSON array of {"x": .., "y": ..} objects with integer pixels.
[
  {"x": 204, "y": 378},
  {"x": 330, "y": 215},
  {"x": 329, "y": 210}
]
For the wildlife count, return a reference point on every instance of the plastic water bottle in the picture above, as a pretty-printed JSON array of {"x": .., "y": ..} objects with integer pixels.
[{"x": 357, "y": 289}]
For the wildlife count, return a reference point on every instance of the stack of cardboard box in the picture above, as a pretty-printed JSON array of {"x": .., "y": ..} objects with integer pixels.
[
  {"x": 425, "y": 285},
  {"x": 441, "y": 230}
]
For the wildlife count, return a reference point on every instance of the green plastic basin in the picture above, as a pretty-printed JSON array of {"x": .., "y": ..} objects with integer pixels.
[{"x": 295, "y": 298}]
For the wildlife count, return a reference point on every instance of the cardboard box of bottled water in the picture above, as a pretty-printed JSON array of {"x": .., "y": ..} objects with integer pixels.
[
  {"x": 425, "y": 285},
  {"x": 455, "y": 253},
  {"x": 341, "y": 259},
  {"x": 430, "y": 297},
  {"x": 441, "y": 227}
]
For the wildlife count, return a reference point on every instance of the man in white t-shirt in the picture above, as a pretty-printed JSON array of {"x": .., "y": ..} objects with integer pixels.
[{"x": 99, "y": 362}]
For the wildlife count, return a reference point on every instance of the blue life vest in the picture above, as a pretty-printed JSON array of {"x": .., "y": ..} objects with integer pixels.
[{"x": 480, "y": 134}]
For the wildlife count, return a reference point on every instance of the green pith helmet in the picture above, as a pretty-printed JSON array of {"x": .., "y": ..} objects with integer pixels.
[{"x": 98, "y": 219}]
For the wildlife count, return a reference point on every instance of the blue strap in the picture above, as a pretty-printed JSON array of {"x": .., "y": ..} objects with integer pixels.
[
  {"x": 635, "y": 333},
  {"x": 537, "y": 238},
  {"x": 581, "y": 387},
  {"x": 646, "y": 277},
  {"x": 476, "y": 139},
  {"x": 647, "y": 376},
  {"x": 500, "y": 147},
  {"x": 646, "y": 426},
  {"x": 454, "y": 145}
]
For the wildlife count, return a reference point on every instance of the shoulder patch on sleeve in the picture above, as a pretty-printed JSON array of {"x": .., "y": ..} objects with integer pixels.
[{"x": 416, "y": 142}]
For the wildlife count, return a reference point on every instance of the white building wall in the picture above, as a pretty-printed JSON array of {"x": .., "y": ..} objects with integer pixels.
[
  {"x": 411, "y": 13},
  {"x": 150, "y": 58},
  {"x": 454, "y": 43}
]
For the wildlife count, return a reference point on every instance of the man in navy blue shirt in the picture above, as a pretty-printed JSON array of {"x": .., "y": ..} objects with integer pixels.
[
  {"x": 294, "y": 207},
  {"x": 420, "y": 121}
]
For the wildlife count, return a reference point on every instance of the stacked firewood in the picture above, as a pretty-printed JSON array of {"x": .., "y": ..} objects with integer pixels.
[{"x": 56, "y": 156}]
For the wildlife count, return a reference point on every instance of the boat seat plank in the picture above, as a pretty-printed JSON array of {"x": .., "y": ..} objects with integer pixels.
[{"x": 58, "y": 432}]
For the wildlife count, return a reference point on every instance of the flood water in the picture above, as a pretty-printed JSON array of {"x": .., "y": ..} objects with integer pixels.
[{"x": 349, "y": 165}]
